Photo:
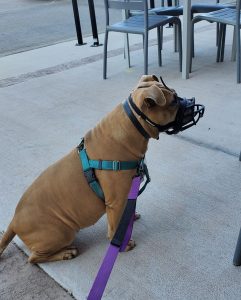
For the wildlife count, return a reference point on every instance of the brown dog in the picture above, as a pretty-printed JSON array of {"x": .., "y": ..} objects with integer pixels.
[{"x": 60, "y": 201}]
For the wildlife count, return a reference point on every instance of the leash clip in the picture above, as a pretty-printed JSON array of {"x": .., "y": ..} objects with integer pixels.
[{"x": 141, "y": 168}]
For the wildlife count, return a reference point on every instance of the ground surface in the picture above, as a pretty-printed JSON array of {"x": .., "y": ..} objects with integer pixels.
[{"x": 21, "y": 280}]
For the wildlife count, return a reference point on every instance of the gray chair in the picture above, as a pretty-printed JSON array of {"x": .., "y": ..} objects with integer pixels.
[
  {"x": 138, "y": 24},
  {"x": 177, "y": 10},
  {"x": 224, "y": 17}
]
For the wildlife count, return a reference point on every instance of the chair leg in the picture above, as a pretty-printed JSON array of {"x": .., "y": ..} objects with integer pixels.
[
  {"x": 105, "y": 55},
  {"x": 159, "y": 46},
  {"x": 238, "y": 60},
  {"x": 237, "y": 254},
  {"x": 223, "y": 42},
  {"x": 175, "y": 29},
  {"x": 161, "y": 36},
  {"x": 192, "y": 49},
  {"x": 179, "y": 26},
  {"x": 233, "y": 55},
  {"x": 218, "y": 58},
  {"x": 217, "y": 33},
  {"x": 192, "y": 37},
  {"x": 127, "y": 49},
  {"x": 146, "y": 53}
]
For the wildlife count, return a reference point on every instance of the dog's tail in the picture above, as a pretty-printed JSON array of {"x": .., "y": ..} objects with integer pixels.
[{"x": 6, "y": 239}]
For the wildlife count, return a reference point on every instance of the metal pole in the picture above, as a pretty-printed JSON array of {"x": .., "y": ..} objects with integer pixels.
[
  {"x": 93, "y": 24},
  {"x": 77, "y": 23},
  {"x": 237, "y": 254}
]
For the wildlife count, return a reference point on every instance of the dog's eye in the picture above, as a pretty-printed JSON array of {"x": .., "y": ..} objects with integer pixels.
[{"x": 174, "y": 102}]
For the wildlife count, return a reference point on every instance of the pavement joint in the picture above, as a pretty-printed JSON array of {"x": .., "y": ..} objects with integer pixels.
[{"x": 206, "y": 145}]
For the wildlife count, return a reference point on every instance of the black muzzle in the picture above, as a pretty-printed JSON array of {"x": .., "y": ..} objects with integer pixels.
[{"x": 188, "y": 114}]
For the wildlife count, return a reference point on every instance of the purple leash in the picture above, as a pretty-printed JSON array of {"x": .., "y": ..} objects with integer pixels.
[{"x": 118, "y": 243}]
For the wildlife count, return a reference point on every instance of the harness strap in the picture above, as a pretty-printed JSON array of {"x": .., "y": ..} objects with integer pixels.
[
  {"x": 89, "y": 165},
  {"x": 114, "y": 165},
  {"x": 118, "y": 243},
  {"x": 90, "y": 175}
]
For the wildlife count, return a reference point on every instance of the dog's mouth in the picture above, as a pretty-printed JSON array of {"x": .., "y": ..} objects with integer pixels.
[{"x": 188, "y": 114}]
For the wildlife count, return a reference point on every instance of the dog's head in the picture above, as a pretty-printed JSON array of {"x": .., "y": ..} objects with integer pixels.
[
  {"x": 160, "y": 108},
  {"x": 157, "y": 101}
]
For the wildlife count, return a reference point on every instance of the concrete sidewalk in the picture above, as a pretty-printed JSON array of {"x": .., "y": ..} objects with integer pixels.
[{"x": 190, "y": 221}]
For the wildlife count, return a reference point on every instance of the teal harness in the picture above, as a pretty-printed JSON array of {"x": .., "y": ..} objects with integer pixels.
[{"x": 89, "y": 165}]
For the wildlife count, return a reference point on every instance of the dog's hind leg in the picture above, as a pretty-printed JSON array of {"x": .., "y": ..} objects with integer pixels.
[
  {"x": 6, "y": 239},
  {"x": 64, "y": 254}
]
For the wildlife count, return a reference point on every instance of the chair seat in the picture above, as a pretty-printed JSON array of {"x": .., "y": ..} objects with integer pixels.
[
  {"x": 171, "y": 11},
  {"x": 206, "y": 8},
  {"x": 226, "y": 16},
  {"x": 135, "y": 24},
  {"x": 196, "y": 8}
]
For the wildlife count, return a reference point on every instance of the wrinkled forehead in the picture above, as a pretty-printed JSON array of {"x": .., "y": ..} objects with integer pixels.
[
  {"x": 168, "y": 92},
  {"x": 149, "y": 80}
]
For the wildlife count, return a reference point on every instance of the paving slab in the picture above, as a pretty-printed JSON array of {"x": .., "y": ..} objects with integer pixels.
[{"x": 190, "y": 211}]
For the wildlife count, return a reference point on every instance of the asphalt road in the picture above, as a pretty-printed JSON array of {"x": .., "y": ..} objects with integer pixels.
[{"x": 29, "y": 24}]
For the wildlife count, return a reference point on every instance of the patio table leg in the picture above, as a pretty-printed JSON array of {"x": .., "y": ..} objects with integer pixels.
[{"x": 237, "y": 254}]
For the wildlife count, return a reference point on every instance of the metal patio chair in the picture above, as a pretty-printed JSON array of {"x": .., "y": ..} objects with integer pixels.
[
  {"x": 177, "y": 10},
  {"x": 224, "y": 17},
  {"x": 138, "y": 24}
]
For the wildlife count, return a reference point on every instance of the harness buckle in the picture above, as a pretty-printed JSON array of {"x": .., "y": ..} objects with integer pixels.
[
  {"x": 81, "y": 145},
  {"x": 116, "y": 165},
  {"x": 90, "y": 175},
  {"x": 100, "y": 165}
]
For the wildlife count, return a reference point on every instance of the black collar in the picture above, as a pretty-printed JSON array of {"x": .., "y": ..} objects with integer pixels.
[
  {"x": 134, "y": 120},
  {"x": 161, "y": 128}
]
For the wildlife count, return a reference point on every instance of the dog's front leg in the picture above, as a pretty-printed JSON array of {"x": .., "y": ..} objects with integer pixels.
[{"x": 114, "y": 214}]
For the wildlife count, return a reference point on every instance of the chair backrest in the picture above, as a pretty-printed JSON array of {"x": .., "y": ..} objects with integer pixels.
[{"x": 127, "y": 6}]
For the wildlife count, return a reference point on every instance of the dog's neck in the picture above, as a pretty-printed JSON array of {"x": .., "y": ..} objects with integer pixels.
[{"x": 118, "y": 138}]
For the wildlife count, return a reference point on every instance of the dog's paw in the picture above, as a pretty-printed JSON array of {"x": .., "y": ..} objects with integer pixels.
[
  {"x": 70, "y": 253},
  {"x": 131, "y": 245}
]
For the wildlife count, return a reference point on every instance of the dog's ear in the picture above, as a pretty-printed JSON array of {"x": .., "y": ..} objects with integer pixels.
[{"x": 154, "y": 96}]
